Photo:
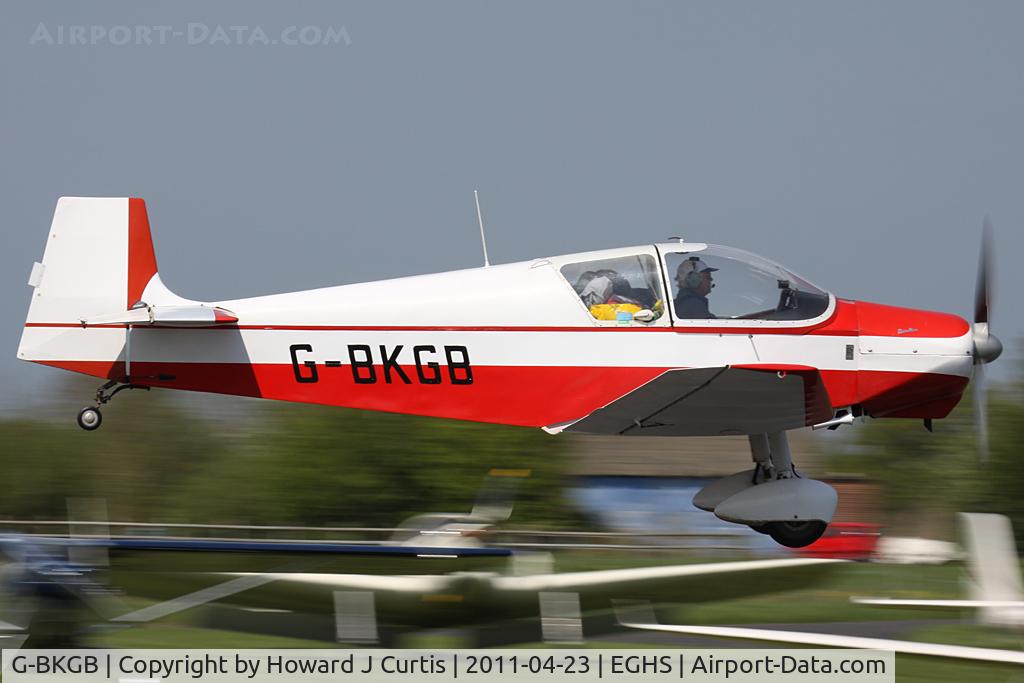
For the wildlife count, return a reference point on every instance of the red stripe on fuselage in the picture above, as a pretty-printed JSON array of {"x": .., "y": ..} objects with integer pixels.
[
  {"x": 525, "y": 396},
  {"x": 464, "y": 328}
]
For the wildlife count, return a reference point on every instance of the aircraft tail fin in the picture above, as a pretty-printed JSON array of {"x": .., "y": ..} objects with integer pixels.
[
  {"x": 994, "y": 567},
  {"x": 99, "y": 260}
]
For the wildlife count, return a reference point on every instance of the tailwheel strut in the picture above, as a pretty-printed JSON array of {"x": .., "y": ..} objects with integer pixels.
[{"x": 90, "y": 417}]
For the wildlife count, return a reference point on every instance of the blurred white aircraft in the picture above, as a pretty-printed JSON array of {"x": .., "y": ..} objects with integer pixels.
[
  {"x": 994, "y": 574},
  {"x": 995, "y": 588}
]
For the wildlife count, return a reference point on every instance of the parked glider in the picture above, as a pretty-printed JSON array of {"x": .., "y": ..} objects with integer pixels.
[
  {"x": 54, "y": 599},
  {"x": 55, "y": 588},
  {"x": 996, "y": 588},
  {"x": 995, "y": 584},
  {"x": 623, "y": 341}
]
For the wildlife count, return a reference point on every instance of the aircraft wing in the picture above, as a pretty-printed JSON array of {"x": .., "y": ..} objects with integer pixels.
[
  {"x": 705, "y": 581},
  {"x": 413, "y": 584},
  {"x": 750, "y": 399},
  {"x": 694, "y": 582},
  {"x": 832, "y": 640},
  {"x": 485, "y": 591},
  {"x": 938, "y": 604}
]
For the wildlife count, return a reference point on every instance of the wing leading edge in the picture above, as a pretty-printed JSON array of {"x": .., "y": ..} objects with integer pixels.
[{"x": 834, "y": 640}]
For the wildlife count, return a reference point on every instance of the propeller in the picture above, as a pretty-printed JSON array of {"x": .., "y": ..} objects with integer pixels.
[{"x": 987, "y": 346}]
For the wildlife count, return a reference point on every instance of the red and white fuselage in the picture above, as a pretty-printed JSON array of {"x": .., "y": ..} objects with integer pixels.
[{"x": 511, "y": 344}]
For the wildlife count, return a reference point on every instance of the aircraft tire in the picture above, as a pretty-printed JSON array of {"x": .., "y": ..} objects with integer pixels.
[
  {"x": 90, "y": 418},
  {"x": 795, "y": 534}
]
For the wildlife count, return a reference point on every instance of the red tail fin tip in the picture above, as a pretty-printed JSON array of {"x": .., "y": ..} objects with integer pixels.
[{"x": 141, "y": 256}]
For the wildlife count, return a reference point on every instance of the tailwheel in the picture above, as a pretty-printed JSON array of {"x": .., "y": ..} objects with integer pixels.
[
  {"x": 794, "y": 534},
  {"x": 90, "y": 418}
]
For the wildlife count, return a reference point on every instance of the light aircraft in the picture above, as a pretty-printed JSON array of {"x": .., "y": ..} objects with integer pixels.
[
  {"x": 621, "y": 341},
  {"x": 995, "y": 583},
  {"x": 54, "y": 588},
  {"x": 54, "y": 601}
]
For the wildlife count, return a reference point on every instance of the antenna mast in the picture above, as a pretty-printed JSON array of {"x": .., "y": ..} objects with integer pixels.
[{"x": 480, "y": 219}]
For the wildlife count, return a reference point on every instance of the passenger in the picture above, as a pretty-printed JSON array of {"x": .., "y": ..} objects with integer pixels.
[
  {"x": 694, "y": 279},
  {"x": 583, "y": 280},
  {"x": 594, "y": 288}
]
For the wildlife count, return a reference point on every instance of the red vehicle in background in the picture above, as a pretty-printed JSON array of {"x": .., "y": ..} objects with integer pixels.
[{"x": 845, "y": 541}]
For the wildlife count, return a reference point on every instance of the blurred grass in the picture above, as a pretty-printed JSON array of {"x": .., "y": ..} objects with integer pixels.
[{"x": 184, "y": 636}]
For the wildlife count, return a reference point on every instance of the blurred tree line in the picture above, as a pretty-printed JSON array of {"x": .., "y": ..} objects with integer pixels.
[
  {"x": 926, "y": 478},
  {"x": 181, "y": 457},
  {"x": 158, "y": 458}
]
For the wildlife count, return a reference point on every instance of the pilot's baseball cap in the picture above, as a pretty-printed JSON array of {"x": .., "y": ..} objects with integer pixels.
[{"x": 694, "y": 263}]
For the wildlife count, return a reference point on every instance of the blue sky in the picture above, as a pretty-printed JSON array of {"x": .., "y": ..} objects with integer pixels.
[{"x": 859, "y": 143}]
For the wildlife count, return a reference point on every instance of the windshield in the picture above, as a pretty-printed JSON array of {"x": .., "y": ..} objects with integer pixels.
[{"x": 722, "y": 282}]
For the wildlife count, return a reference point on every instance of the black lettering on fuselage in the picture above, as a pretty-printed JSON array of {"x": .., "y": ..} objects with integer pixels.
[
  {"x": 361, "y": 365},
  {"x": 435, "y": 368},
  {"x": 459, "y": 372},
  {"x": 391, "y": 364},
  {"x": 300, "y": 376},
  {"x": 364, "y": 368}
]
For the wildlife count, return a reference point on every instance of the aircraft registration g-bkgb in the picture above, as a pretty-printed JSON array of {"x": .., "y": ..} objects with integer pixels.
[{"x": 629, "y": 341}]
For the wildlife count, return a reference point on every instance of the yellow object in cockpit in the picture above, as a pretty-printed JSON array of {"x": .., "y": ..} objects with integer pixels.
[{"x": 611, "y": 311}]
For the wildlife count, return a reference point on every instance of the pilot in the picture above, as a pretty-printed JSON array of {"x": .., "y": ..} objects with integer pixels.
[{"x": 694, "y": 279}]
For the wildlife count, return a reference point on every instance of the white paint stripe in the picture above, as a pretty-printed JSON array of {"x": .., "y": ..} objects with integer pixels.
[
  {"x": 486, "y": 348},
  {"x": 854, "y": 642}
]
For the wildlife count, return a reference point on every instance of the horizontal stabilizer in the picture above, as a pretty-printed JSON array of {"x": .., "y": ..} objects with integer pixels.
[{"x": 169, "y": 316}]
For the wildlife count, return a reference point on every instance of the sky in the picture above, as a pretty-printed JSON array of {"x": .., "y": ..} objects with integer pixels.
[{"x": 284, "y": 146}]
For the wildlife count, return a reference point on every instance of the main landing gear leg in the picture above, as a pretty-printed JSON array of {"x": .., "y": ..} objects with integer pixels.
[
  {"x": 90, "y": 417},
  {"x": 761, "y": 454}
]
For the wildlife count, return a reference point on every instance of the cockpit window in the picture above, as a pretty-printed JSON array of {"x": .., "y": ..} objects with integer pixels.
[
  {"x": 724, "y": 283},
  {"x": 616, "y": 289}
]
